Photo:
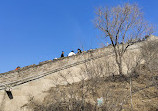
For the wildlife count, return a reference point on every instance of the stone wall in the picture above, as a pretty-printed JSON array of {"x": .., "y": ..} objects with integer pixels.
[{"x": 36, "y": 80}]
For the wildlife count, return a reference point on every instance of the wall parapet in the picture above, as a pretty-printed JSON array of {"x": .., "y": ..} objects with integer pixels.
[{"x": 31, "y": 72}]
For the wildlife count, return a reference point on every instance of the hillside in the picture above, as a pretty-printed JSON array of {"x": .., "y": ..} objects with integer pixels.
[{"x": 115, "y": 91}]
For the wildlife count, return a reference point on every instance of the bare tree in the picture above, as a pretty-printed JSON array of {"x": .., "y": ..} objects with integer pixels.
[{"x": 123, "y": 26}]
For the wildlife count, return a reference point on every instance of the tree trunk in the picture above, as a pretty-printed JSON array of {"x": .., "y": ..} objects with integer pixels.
[
  {"x": 118, "y": 61},
  {"x": 120, "y": 66}
]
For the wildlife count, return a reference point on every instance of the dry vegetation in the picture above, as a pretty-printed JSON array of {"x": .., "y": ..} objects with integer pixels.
[{"x": 114, "y": 90}]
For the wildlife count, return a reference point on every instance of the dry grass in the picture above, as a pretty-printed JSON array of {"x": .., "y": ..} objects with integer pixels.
[{"x": 114, "y": 90}]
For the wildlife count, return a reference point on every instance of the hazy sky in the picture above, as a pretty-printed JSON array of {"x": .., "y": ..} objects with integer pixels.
[{"x": 32, "y": 31}]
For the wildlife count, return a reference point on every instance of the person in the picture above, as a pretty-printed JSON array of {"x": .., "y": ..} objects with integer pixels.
[
  {"x": 62, "y": 54},
  {"x": 17, "y": 68},
  {"x": 79, "y": 51},
  {"x": 71, "y": 53}
]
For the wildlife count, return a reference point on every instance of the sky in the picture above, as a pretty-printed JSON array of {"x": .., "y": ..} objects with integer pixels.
[{"x": 32, "y": 31}]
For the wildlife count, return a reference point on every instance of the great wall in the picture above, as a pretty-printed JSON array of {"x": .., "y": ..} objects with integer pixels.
[{"x": 34, "y": 80}]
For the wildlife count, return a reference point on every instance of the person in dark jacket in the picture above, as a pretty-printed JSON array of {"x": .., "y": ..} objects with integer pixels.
[
  {"x": 62, "y": 54},
  {"x": 79, "y": 51}
]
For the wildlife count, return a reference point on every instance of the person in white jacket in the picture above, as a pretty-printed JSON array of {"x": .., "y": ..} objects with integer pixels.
[{"x": 71, "y": 53}]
